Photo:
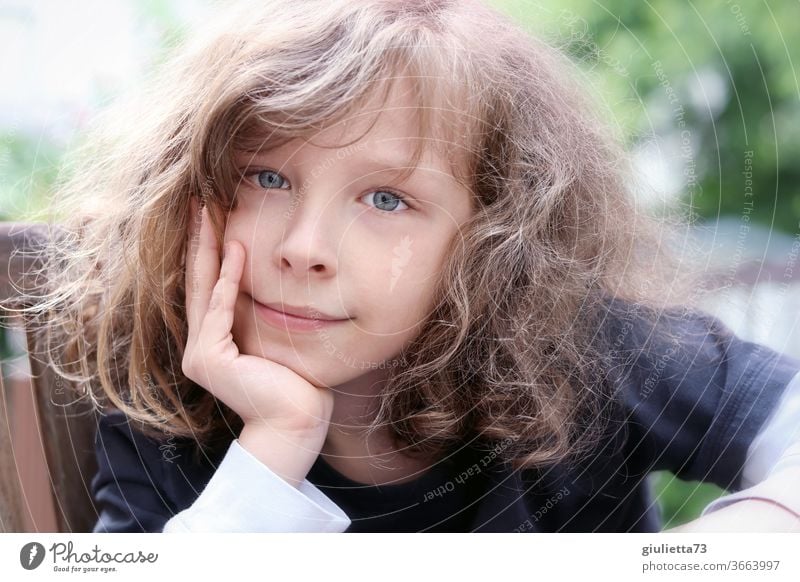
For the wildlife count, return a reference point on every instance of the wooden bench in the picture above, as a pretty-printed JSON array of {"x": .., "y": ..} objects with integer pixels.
[{"x": 45, "y": 405}]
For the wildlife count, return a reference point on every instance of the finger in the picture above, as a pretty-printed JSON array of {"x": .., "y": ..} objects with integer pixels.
[
  {"x": 191, "y": 253},
  {"x": 205, "y": 271},
  {"x": 218, "y": 321}
]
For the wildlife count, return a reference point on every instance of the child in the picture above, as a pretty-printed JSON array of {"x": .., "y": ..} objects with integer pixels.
[{"x": 500, "y": 341}]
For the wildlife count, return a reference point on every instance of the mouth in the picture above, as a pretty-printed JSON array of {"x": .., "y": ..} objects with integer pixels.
[
  {"x": 303, "y": 312},
  {"x": 293, "y": 318}
]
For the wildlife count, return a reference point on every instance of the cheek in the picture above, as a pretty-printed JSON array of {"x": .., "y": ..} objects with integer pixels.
[
  {"x": 386, "y": 264},
  {"x": 259, "y": 237},
  {"x": 396, "y": 297}
]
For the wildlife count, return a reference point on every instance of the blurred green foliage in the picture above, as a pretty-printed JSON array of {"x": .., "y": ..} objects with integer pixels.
[
  {"x": 681, "y": 501},
  {"x": 634, "y": 52},
  {"x": 27, "y": 173}
]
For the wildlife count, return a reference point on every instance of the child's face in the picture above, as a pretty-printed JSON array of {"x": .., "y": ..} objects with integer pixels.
[{"x": 321, "y": 230}]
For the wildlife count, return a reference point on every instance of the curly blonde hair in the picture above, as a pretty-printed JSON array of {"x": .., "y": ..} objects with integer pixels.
[{"x": 511, "y": 351}]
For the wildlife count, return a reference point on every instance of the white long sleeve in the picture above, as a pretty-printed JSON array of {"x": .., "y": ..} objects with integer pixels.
[
  {"x": 775, "y": 449},
  {"x": 244, "y": 495}
]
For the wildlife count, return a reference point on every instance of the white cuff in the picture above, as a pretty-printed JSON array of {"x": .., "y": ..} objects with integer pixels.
[
  {"x": 781, "y": 431},
  {"x": 244, "y": 495},
  {"x": 774, "y": 450}
]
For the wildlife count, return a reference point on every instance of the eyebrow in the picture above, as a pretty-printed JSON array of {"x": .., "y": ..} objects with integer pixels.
[
  {"x": 386, "y": 163},
  {"x": 379, "y": 162},
  {"x": 410, "y": 175}
]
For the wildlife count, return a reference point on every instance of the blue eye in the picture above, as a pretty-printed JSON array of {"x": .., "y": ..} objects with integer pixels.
[
  {"x": 268, "y": 178},
  {"x": 385, "y": 200}
]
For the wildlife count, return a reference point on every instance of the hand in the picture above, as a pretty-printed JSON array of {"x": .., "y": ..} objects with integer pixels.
[
  {"x": 747, "y": 515},
  {"x": 262, "y": 392}
]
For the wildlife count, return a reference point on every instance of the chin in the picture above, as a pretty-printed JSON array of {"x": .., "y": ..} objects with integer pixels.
[{"x": 314, "y": 369}]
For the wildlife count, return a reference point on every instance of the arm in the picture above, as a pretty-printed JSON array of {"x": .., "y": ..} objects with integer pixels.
[
  {"x": 776, "y": 445},
  {"x": 749, "y": 515},
  {"x": 771, "y": 477},
  {"x": 694, "y": 395},
  {"x": 244, "y": 495},
  {"x": 773, "y": 505},
  {"x": 137, "y": 490}
]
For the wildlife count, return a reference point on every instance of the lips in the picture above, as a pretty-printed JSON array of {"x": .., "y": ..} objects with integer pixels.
[
  {"x": 311, "y": 313},
  {"x": 303, "y": 320}
]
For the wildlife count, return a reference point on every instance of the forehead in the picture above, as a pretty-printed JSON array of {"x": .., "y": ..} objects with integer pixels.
[{"x": 386, "y": 129}]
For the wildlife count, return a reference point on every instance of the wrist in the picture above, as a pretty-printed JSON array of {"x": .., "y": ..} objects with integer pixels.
[{"x": 289, "y": 454}]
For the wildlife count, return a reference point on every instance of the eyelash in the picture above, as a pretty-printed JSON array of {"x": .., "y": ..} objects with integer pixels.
[{"x": 394, "y": 193}]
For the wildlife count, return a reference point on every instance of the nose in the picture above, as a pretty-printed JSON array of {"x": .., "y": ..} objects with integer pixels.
[{"x": 307, "y": 247}]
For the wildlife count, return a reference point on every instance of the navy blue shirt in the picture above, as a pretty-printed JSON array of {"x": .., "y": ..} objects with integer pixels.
[
  {"x": 440, "y": 500},
  {"x": 691, "y": 407}
]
